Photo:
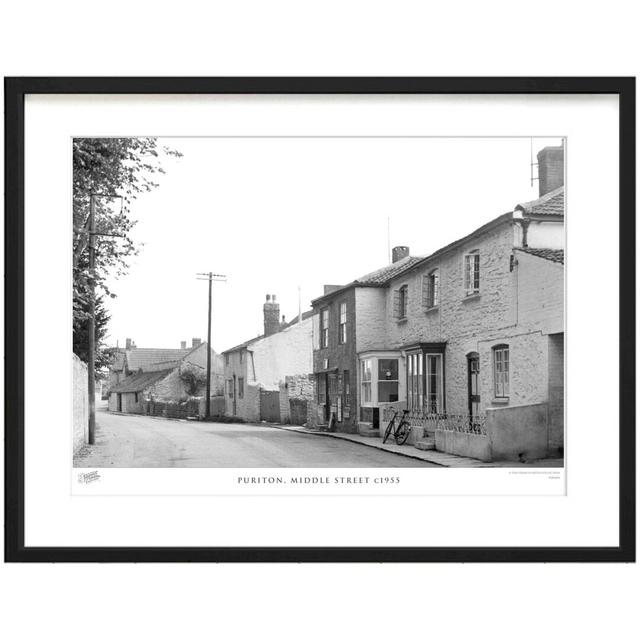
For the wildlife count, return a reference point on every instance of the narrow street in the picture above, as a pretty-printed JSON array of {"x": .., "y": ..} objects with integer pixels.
[{"x": 142, "y": 441}]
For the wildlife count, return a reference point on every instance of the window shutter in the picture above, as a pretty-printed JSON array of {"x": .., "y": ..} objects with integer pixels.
[{"x": 426, "y": 282}]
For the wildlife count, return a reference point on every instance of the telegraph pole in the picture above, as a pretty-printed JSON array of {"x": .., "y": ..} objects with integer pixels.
[
  {"x": 218, "y": 278},
  {"x": 92, "y": 321},
  {"x": 91, "y": 364}
]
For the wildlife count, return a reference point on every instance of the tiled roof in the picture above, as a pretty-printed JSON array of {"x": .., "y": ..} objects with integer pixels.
[
  {"x": 139, "y": 381},
  {"x": 139, "y": 358},
  {"x": 377, "y": 278},
  {"x": 550, "y": 204},
  {"x": 388, "y": 272},
  {"x": 554, "y": 255}
]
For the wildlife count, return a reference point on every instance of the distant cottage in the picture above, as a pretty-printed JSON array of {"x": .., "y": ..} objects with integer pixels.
[{"x": 140, "y": 375}]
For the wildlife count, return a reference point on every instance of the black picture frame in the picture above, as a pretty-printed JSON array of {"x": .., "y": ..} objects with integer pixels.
[{"x": 15, "y": 91}]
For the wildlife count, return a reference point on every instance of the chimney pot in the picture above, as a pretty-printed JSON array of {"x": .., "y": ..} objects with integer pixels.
[
  {"x": 268, "y": 297},
  {"x": 550, "y": 169},
  {"x": 398, "y": 253}
]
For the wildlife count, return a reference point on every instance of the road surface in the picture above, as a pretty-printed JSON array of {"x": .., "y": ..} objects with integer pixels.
[{"x": 142, "y": 441}]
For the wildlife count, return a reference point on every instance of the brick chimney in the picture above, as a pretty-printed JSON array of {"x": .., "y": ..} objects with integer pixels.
[
  {"x": 195, "y": 342},
  {"x": 183, "y": 344},
  {"x": 397, "y": 253},
  {"x": 271, "y": 316},
  {"x": 550, "y": 169},
  {"x": 130, "y": 344}
]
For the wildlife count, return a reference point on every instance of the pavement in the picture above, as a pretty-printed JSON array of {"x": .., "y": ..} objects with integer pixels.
[
  {"x": 435, "y": 457},
  {"x": 134, "y": 441}
]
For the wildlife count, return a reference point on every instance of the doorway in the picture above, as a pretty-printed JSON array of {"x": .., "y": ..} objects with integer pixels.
[{"x": 473, "y": 369}]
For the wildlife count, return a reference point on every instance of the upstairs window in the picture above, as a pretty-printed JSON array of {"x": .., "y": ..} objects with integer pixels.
[
  {"x": 400, "y": 302},
  {"x": 472, "y": 273},
  {"x": 324, "y": 328},
  {"x": 431, "y": 290},
  {"x": 241, "y": 357},
  {"x": 501, "y": 371},
  {"x": 240, "y": 387},
  {"x": 226, "y": 359},
  {"x": 342, "y": 331}
]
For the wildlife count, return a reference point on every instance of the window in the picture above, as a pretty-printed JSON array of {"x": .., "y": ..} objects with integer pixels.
[
  {"x": 324, "y": 328},
  {"x": 501, "y": 371},
  {"x": 401, "y": 299},
  {"x": 472, "y": 273},
  {"x": 241, "y": 357},
  {"x": 347, "y": 388},
  {"x": 388, "y": 380},
  {"x": 240, "y": 387},
  {"x": 431, "y": 290},
  {"x": 342, "y": 333},
  {"x": 230, "y": 387},
  {"x": 136, "y": 396},
  {"x": 365, "y": 377},
  {"x": 226, "y": 359}
]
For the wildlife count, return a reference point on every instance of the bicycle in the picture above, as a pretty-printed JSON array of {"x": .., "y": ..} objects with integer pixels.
[{"x": 401, "y": 432}]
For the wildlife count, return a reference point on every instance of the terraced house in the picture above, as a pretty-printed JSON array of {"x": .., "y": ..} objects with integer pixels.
[
  {"x": 477, "y": 325},
  {"x": 343, "y": 319}
]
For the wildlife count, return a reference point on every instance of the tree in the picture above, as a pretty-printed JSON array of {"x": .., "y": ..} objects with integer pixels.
[
  {"x": 107, "y": 166},
  {"x": 193, "y": 377},
  {"x": 104, "y": 355}
]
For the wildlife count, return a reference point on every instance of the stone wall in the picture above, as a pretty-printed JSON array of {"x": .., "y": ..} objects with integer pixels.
[
  {"x": 80, "y": 403},
  {"x": 518, "y": 432},
  {"x": 556, "y": 394},
  {"x": 470, "y": 445},
  {"x": 296, "y": 395}
]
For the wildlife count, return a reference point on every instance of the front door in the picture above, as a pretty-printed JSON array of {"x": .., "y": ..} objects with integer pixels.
[
  {"x": 473, "y": 365},
  {"x": 120, "y": 402}
]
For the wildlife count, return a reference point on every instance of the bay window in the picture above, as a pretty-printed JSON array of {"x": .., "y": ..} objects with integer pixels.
[
  {"x": 365, "y": 381},
  {"x": 424, "y": 382},
  {"x": 388, "y": 380}
]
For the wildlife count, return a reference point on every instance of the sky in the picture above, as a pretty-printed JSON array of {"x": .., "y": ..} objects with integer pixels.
[{"x": 279, "y": 215}]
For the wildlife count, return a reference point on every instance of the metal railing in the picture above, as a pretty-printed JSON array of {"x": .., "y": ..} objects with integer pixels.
[{"x": 460, "y": 422}]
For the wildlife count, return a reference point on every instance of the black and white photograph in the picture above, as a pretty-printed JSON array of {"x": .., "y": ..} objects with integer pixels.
[{"x": 318, "y": 302}]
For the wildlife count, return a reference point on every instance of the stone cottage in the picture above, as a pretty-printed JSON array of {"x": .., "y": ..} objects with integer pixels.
[
  {"x": 476, "y": 325},
  {"x": 164, "y": 375},
  {"x": 255, "y": 369}
]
